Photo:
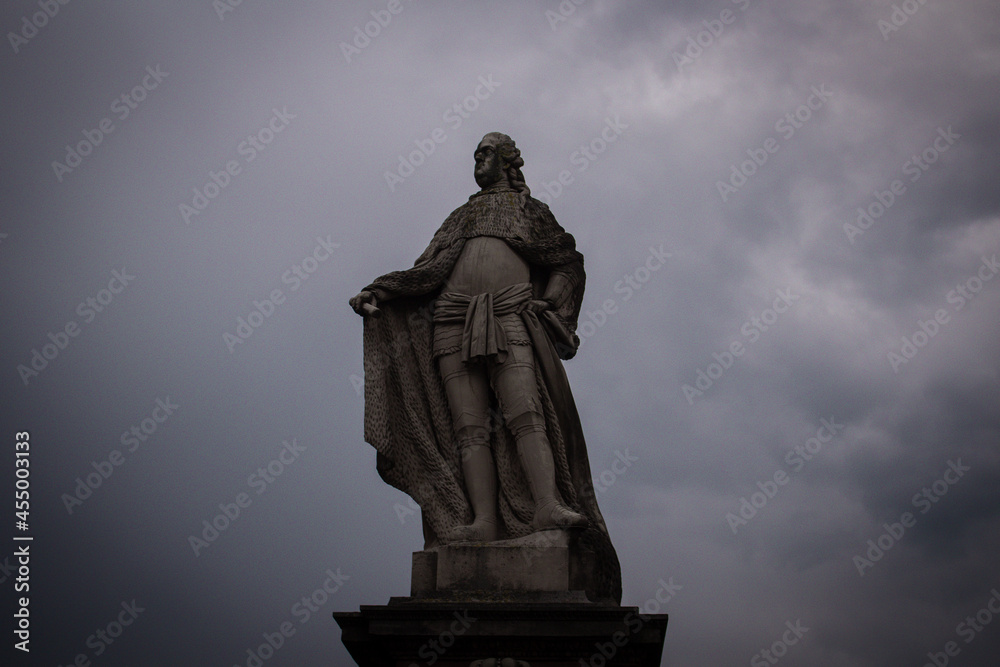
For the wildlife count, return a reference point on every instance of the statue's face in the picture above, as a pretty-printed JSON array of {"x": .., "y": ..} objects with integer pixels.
[{"x": 489, "y": 166}]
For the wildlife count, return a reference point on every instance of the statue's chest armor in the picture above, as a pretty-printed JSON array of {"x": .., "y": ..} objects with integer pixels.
[{"x": 487, "y": 264}]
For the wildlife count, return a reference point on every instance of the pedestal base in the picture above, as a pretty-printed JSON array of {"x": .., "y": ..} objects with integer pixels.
[
  {"x": 410, "y": 631},
  {"x": 549, "y": 563},
  {"x": 531, "y": 599}
]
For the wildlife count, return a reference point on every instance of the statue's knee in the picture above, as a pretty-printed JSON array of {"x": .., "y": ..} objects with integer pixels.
[
  {"x": 524, "y": 415},
  {"x": 528, "y": 422},
  {"x": 472, "y": 428}
]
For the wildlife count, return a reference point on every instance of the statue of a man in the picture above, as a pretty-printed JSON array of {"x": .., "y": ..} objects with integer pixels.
[{"x": 466, "y": 399}]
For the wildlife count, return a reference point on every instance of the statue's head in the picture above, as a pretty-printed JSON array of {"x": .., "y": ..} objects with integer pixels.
[{"x": 498, "y": 159}]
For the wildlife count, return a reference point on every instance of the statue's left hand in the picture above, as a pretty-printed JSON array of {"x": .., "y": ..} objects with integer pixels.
[
  {"x": 364, "y": 303},
  {"x": 537, "y": 305}
]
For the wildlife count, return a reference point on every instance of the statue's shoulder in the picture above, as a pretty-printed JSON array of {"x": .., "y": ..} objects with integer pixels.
[
  {"x": 542, "y": 215},
  {"x": 540, "y": 206}
]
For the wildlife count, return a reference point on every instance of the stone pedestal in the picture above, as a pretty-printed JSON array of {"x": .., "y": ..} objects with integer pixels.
[
  {"x": 547, "y": 566},
  {"x": 542, "y": 634},
  {"x": 471, "y": 605}
]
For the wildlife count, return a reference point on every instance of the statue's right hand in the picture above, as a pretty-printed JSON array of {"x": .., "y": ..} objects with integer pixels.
[{"x": 358, "y": 302}]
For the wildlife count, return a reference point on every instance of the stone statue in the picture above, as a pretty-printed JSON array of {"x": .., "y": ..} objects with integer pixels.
[{"x": 466, "y": 400}]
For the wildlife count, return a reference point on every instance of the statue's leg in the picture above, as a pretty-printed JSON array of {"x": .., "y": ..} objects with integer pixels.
[
  {"x": 514, "y": 383},
  {"x": 468, "y": 389}
]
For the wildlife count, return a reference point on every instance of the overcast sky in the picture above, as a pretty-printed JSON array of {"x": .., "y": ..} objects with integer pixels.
[{"x": 790, "y": 220}]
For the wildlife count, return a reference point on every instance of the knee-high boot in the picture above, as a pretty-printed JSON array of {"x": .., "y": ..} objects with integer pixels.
[
  {"x": 539, "y": 467},
  {"x": 481, "y": 485}
]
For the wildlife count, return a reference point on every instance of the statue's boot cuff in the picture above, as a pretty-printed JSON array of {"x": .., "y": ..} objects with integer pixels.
[{"x": 553, "y": 514}]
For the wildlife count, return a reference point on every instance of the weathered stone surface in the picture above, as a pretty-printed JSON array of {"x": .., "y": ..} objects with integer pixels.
[
  {"x": 466, "y": 399},
  {"x": 548, "y": 565},
  {"x": 408, "y": 631}
]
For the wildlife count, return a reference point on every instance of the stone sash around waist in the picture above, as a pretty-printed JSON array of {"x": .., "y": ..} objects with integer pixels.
[{"x": 484, "y": 334}]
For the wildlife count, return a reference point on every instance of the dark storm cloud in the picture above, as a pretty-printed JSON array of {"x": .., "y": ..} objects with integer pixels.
[{"x": 689, "y": 118}]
